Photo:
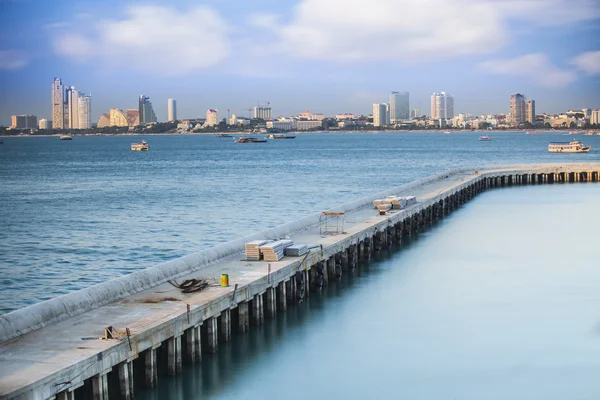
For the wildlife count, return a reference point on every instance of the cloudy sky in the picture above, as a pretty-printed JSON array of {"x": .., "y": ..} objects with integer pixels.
[{"x": 328, "y": 56}]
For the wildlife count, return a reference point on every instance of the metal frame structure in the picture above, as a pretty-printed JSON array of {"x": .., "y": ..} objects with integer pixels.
[{"x": 326, "y": 227}]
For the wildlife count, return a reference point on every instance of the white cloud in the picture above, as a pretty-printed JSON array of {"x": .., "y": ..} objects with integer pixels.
[
  {"x": 264, "y": 20},
  {"x": 158, "y": 39},
  {"x": 588, "y": 62},
  {"x": 12, "y": 59},
  {"x": 413, "y": 30},
  {"x": 535, "y": 67}
]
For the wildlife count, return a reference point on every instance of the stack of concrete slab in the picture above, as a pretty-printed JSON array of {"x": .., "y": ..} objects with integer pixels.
[
  {"x": 395, "y": 202},
  {"x": 253, "y": 249},
  {"x": 275, "y": 251},
  {"x": 296, "y": 250}
]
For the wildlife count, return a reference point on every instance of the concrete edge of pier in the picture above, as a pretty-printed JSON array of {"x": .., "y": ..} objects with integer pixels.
[{"x": 60, "y": 308}]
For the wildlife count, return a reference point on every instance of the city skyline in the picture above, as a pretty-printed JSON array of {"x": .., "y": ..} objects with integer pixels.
[{"x": 544, "y": 49}]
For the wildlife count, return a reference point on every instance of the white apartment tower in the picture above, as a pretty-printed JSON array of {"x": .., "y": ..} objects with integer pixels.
[
  {"x": 172, "y": 110},
  {"x": 379, "y": 114},
  {"x": 399, "y": 107},
  {"x": 73, "y": 108},
  {"x": 262, "y": 112},
  {"x": 84, "y": 111},
  {"x": 58, "y": 100},
  {"x": 211, "y": 117},
  {"x": 442, "y": 106}
]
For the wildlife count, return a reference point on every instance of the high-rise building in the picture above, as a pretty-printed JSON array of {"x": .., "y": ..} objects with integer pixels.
[
  {"x": 24, "y": 122},
  {"x": 517, "y": 108},
  {"x": 73, "y": 108},
  {"x": 84, "y": 111},
  {"x": 58, "y": 100},
  {"x": 530, "y": 111},
  {"x": 211, "y": 117},
  {"x": 595, "y": 117},
  {"x": 117, "y": 118},
  {"x": 133, "y": 116},
  {"x": 44, "y": 124},
  {"x": 146, "y": 111},
  {"x": 379, "y": 114},
  {"x": 442, "y": 106},
  {"x": 399, "y": 106},
  {"x": 415, "y": 113},
  {"x": 262, "y": 112},
  {"x": 172, "y": 110}
]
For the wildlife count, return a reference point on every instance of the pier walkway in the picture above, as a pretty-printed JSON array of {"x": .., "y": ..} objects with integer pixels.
[{"x": 54, "y": 349}]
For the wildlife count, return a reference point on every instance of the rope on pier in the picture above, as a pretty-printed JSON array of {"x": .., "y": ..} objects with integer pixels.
[{"x": 193, "y": 285}]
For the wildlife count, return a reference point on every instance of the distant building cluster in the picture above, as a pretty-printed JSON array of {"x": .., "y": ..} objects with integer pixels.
[{"x": 72, "y": 109}]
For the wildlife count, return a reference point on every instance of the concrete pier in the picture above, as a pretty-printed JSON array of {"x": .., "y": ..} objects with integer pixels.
[{"x": 35, "y": 365}]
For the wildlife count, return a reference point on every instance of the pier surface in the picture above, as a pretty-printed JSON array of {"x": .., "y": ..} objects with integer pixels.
[{"x": 53, "y": 349}]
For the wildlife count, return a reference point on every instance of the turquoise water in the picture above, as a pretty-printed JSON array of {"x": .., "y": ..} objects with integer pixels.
[
  {"x": 75, "y": 213},
  {"x": 500, "y": 300}
]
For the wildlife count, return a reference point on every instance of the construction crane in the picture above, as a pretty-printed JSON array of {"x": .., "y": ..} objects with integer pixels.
[{"x": 249, "y": 112}]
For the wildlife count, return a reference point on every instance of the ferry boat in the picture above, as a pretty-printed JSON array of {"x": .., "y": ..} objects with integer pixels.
[
  {"x": 446, "y": 132},
  {"x": 141, "y": 146},
  {"x": 485, "y": 138},
  {"x": 250, "y": 140},
  {"x": 574, "y": 146},
  {"x": 280, "y": 136},
  {"x": 224, "y": 135},
  {"x": 65, "y": 137}
]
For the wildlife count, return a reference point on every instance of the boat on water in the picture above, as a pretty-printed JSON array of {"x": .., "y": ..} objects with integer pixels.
[
  {"x": 574, "y": 146},
  {"x": 66, "y": 137},
  {"x": 141, "y": 146},
  {"x": 250, "y": 140},
  {"x": 280, "y": 136},
  {"x": 485, "y": 138},
  {"x": 532, "y": 133},
  {"x": 224, "y": 135},
  {"x": 446, "y": 132}
]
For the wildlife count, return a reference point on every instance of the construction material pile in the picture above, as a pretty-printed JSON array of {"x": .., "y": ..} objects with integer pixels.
[
  {"x": 253, "y": 249},
  {"x": 394, "y": 202},
  {"x": 296, "y": 250},
  {"x": 274, "y": 251}
]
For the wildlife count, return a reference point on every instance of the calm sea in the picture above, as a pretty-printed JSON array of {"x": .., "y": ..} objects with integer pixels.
[{"x": 75, "y": 213}]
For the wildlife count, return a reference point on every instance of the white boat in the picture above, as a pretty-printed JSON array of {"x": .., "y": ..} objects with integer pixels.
[
  {"x": 141, "y": 146},
  {"x": 485, "y": 138},
  {"x": 280, "y": 136},
  {"x": 446, "y": 132},
  {"x": 65, "y": 137},
  {"x": 574, "y": 146}
]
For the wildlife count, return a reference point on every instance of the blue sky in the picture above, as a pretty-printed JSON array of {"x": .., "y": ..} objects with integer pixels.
[{"x": 329, "y": 56}]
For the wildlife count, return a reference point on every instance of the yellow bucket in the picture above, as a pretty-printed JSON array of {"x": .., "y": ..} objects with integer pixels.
[{"x": 224, "y": 280}]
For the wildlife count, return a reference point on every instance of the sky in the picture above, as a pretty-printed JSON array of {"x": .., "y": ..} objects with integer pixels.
[{"x": 327, "y": 56}]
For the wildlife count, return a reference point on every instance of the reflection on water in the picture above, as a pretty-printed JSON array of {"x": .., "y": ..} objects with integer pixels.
[{"x": 498, "y": 301}]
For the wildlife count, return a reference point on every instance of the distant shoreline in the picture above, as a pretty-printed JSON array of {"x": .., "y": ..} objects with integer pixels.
[{"x": 537, "y": 131}]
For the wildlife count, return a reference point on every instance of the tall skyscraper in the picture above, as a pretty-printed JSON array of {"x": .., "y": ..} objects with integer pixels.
[
  {"x": 172, "y": 109},
  {"x": 517, "y": 108},
  {"x": 262, "y": 112},
  {"x": 399, "y": 106},
  {"x": 73, "y": 107},
  {"x": 58, "y": 100},
  {"x": 44, "y": 124},
  {"x": 442, "y": 106},
  {"x": 379, "y": 114},
  {"x": 530, "y": 111},
  {"x": 84, "y": 111},
  {"x": 146, "y": 111}
]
